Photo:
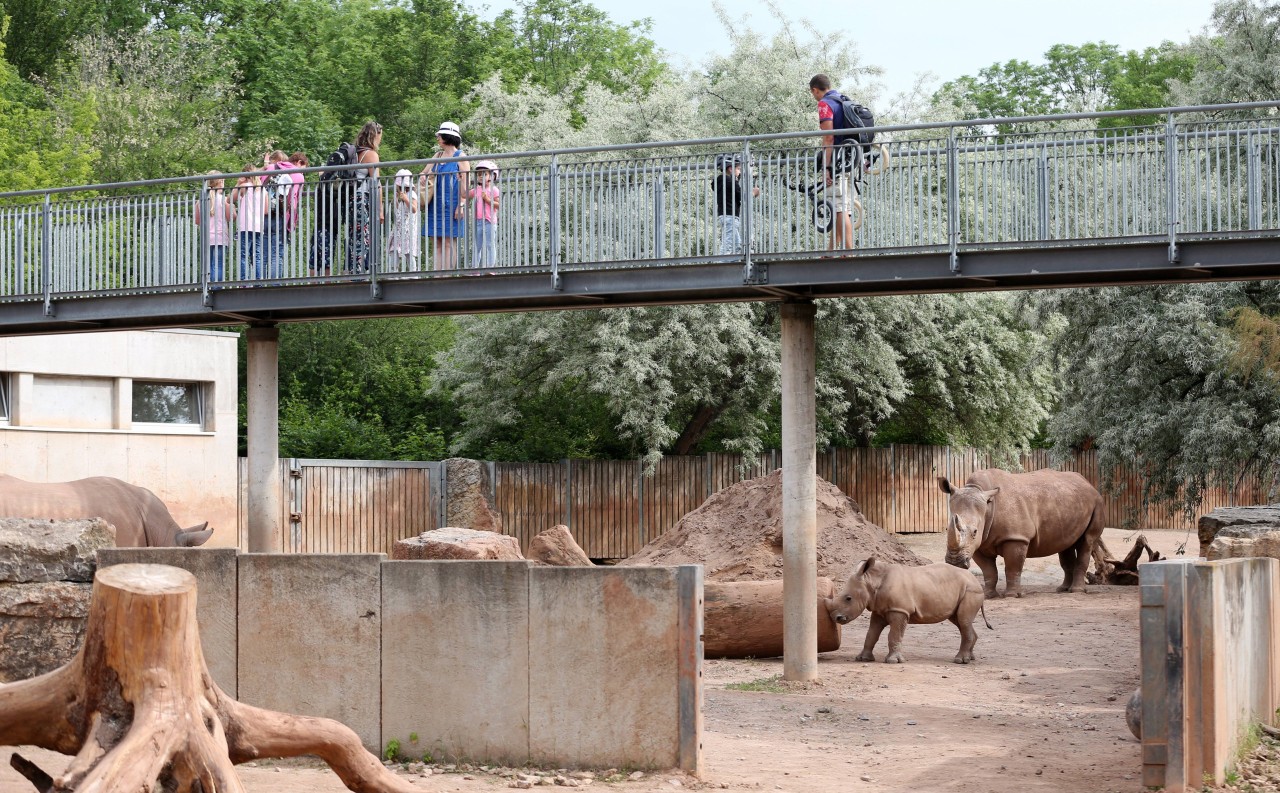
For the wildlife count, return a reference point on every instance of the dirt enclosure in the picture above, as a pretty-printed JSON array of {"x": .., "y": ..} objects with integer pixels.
[{"x": 1041, "y": 710}]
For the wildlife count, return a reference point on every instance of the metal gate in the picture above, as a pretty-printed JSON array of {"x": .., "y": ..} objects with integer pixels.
[{"x": 353, "y": 506}]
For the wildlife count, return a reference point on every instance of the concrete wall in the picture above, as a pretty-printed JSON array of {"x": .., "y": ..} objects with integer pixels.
[
  {"x": 455, "y": 661},
  {"x": 217, "y": 599},
  {"x": 1210, "y": 665},
  {"x": 494, "y": 662},
  {"x": 310, "y": 637},
  {"x": 193, "y": 470}
]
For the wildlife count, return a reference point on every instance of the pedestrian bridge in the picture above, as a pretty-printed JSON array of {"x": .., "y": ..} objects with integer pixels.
[{"x": 1169, "y": 195}]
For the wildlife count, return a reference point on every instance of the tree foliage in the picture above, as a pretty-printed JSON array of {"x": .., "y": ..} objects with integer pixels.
[{"x": 1238, "y": 59}]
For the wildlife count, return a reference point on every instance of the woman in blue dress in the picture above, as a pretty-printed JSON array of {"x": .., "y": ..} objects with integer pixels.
[{"x": 446, "y": 209}]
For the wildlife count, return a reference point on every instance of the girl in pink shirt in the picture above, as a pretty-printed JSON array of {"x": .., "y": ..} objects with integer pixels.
[
  {"x": 219, "y": 215},
  {"x": 486, "y": 197}
]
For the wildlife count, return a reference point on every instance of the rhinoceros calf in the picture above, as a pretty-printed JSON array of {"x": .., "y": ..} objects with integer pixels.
[
  {"x": 140, "y": 518},
  {"x": 898, "y": 595}
]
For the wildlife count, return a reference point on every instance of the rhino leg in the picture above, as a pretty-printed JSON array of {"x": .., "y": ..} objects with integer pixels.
[
  {"x": 963, "y": 619},
  {"x": 1075, "y": 579},
  {"x": 987, "y": 564},
  {"x": 874, "y": 630},
  {"x": 897, "y": 627},
  {"x": 1015, "y": 556},
  {"x": 1067, "y": 559}
]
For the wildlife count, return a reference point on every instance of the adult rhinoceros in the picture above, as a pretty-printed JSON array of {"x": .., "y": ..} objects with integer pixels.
[
  {"x": 1016, "y": 516},
  {"x": 140, "y": 518}
]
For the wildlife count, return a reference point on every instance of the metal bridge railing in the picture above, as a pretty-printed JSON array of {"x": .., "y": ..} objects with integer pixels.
[{"x": 1063, "y": 180}]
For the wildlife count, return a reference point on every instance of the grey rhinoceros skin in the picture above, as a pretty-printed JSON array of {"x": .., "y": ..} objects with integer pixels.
[{"x": 140, "y": 518}]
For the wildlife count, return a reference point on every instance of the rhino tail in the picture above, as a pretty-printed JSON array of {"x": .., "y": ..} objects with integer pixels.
[
  {"x": 196, "y": 535},
  {"x": 983, "y": 609}
]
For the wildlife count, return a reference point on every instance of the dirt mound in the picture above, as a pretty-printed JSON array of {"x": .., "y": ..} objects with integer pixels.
[{"x": 736, "y": 535}]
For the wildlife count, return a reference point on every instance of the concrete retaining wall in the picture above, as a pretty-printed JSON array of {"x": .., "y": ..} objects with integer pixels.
[
  {"x": 1210, "y": 665},
  {"x": 494, "y": 662}
]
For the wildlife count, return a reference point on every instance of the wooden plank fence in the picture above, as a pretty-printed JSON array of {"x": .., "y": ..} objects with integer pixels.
[{"x": 614, "y": 509}]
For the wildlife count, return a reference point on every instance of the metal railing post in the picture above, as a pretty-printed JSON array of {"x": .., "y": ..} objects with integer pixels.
[
  {"x": 1171, "y": 186},
  {"x": 554, "y": 191},
  {"x": 1255, "y": 184},
  {"x": 1042, "y": 187},
  {"x": 749, "y": 270},
  {"x": 203, "y": 256},
  {"x": 46, "y": 255},
  {"x": 953, "y": 201},
  {"x": 659, "y": 216},
  {"x": 375, "y": 238}
]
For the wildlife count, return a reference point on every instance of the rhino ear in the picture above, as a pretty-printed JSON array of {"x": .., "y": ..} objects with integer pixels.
[
  {"x": 945, "y": 486},
  {"x": 866, "y": 566},
  {"x": 989, "y": 495},
  {"x": 196, "y": 535}
]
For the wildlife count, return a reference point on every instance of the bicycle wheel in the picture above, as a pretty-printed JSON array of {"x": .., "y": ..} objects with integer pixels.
[{"x": 823, "y": 212}]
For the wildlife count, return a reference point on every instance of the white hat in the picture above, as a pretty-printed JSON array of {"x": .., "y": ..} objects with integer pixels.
[
  {"x": 404, "y": 177},
  {"x": 487, "y": 165},
  {"x": 449, "y": 128}
]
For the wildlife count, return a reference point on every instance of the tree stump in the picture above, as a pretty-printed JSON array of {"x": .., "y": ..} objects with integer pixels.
[
  {"x": 138, "y": 709},
  {"x": 1123, "y": 572}
]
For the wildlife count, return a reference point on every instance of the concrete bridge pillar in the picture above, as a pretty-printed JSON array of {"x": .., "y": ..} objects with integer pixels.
[
  {"x": 263, "y": 409},
  {"x": 799, "y": 494}
]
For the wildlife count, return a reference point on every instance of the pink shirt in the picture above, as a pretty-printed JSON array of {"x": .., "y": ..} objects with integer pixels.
[
  {"x": 485, "y": 212},
  {"x": 295, "y": 193},
  {"x": 250, "y": 208},
  {"x": 217, "y": 218}
]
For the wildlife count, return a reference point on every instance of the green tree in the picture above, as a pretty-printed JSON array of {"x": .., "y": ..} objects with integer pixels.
[
  {"x": 43, "y": 31},
  {"x": 41, "y": 148},
  {"x": 360, "y": 390},
  {"x": 162, "y": 107}
]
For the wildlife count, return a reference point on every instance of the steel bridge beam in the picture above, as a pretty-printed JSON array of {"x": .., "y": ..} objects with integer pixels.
[{"x": 1242, "y": 257}]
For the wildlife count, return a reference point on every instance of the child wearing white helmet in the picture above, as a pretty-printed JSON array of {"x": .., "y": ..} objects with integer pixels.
[
  {"x": 486, "y": 198},
  {"x": 402, "y": 245}
]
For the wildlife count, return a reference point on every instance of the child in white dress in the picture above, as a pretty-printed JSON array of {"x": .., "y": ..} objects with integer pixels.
[{"x": 403, "y": 244}]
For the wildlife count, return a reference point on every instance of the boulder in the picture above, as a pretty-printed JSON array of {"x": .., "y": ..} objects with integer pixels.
[
  {"x": 470, "y": 495},
  {"x": 1266, "y": 518},
  {"x": 41, "y": 626},
  {"x": 1235, "y": 542},
  {"x": 34, "y": 550},
  {"x": 556, "y": 547},
  {"x": 457, "y": 543}
]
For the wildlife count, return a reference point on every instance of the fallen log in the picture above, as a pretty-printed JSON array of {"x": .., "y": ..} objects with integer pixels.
[
  {"x": 138, "y": 709},
  {"x": 1122, "y": 572},
  {"x": 743, "y": 619}
]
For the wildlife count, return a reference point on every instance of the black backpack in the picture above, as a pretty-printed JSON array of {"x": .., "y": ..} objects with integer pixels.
[
  {"x": 856, "y": 116},
  {"x": 336, "y": 188}
]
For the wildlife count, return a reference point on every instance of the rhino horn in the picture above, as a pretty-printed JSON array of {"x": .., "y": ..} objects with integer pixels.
[{"x": 196, "y": 535}]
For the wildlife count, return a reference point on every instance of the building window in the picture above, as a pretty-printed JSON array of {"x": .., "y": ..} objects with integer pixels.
[
  {"x": 4, "y": 396},
  {"x": 167, "y": 403}
]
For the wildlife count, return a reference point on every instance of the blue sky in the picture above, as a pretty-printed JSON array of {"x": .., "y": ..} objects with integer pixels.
[{"x": 906, "y": 37}]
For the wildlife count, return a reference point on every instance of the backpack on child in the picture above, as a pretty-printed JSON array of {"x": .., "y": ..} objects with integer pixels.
[
  {"x": 335, "y": 190},
  {"x": 278, "y": 187}
]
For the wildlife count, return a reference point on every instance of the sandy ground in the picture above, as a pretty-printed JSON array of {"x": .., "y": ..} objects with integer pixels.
[{"x": 1041, "y": 710}]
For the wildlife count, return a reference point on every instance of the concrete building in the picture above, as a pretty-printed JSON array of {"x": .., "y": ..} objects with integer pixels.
[{"x": 154, "y": 408}]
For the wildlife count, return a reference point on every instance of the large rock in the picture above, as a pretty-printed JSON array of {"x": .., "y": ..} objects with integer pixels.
[
  {"x": 33, "y": 550},
  {"x": 1242, "y": 530},
  {"x": 1235, "y": 542},
  {"x": 470, "y": 495},
  {"x": 456, "y": 543},
  {"x": 41, "y": 626},
  {"x": 556, "y": 547}
]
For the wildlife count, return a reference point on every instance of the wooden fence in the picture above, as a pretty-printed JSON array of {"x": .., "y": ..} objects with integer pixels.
[{"x": 613, "y": 508}]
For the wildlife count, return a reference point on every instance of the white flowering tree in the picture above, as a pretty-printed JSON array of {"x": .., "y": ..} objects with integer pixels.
[{"x": 681, "y": 379}]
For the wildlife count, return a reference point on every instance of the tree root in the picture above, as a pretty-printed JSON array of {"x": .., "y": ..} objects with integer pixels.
[{"x": 138, "y": 709}]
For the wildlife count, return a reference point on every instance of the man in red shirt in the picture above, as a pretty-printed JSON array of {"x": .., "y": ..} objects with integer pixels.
[{"x": 830, "y": 109}]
